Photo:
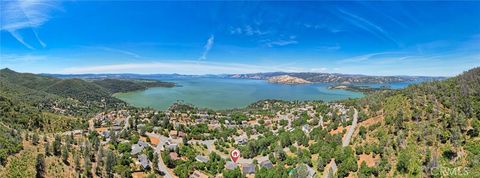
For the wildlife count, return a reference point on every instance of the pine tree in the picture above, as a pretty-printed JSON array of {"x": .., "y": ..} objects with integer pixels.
[
  {"x": 57, "y": 144},
  {"x": 35, "y": 138},
  {"x": 87, "y": 167},
  {"x": 155, "y": 162},
  {"x": 109, "y": 162},
  {"x": 46, "y": 145},
  {"x": 76, "y": 160},
  {"x": 321, "y": 164},
  {"x": 99, "y": 160},
  {"x": 65, "y": 155},
  {"x": 40, "y": 166}
]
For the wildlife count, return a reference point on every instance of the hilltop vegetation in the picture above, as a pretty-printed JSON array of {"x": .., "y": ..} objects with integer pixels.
[
  {"x": 48, "y": 104},
  {"x": 122, "y": 85},
  {"x": 427, "y": 125}
]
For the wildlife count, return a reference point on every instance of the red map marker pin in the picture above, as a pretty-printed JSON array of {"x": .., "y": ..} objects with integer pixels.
[{"x": 234, "y": 155}]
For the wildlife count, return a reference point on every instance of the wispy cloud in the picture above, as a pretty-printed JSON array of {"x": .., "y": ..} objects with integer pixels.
[
  {"x": 116, "y": 50},
  {"x": 367, "y": 25},
  {"x": 185, "y": 67},
  {"x": 207, "y": 47},
  {"x": 363, "y": 58},
  {"x": 281, "y": 42},
  {"x": 248, "y": 30},
  {"x": 334, "y": 47},
  {"x": 330, "y": 27},
  {"x": 16, "y": 58},
  {"x": 25, "y": 14}
]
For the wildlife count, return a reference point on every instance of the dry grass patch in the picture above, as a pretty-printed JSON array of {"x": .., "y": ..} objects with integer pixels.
[{"x": 370, "y": 160}]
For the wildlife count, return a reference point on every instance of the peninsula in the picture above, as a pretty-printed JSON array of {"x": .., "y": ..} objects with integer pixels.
[{"x": 287, "y": 79}]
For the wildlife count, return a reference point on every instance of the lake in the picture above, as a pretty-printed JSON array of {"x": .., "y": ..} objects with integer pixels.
[{"x": 221, "y": 93}]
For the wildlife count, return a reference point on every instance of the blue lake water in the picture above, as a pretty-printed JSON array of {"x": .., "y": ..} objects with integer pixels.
[{"x": 220, "y": 93}]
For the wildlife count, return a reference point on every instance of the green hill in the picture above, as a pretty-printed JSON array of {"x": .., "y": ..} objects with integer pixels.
[
  {"x": 81, "y": 90},
  {"x": 26, "y": 98},
  {"x": 425, "y": 126},
  {"x": 26, "y": 79},
  {"x": 119, "y": 85}
]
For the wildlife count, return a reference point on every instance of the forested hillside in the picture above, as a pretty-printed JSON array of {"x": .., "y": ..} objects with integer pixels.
[
  {"x": 119, "y": 85},
  {"x": 426, "y": 127},
  {"x": 35, "y": 94},
  {"x": 29, "y": 101}
]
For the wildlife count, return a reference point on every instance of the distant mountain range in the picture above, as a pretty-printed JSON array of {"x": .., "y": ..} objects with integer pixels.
[
  {"x": 337, "y": 78},
  {"x": 307, "y": 76}
]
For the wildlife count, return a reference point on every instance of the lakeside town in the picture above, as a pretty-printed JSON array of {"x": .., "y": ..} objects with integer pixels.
[
  {"x": 239, "y": 89},
  {"x": 161, "y": 142}
]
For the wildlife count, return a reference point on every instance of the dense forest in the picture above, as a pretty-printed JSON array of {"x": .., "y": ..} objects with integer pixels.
[
  {"x": 30, "y": 101},
  {"x": 427, "y": 125},
  {"x": 122, "y": 85}
]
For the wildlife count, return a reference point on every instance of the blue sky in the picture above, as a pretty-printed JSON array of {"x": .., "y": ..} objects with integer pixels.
[{"x": 373, "y": 38}]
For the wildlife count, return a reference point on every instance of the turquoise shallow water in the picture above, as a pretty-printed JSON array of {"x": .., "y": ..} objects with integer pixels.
[{"x": 219, "y": 93}]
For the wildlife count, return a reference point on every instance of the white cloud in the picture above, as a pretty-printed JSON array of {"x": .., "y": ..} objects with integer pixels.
[
  {"x": 366, "y": 25},
  {"x": 115, "y": 50},
  {"x": 184, "y": 67},
  {"x": 207, "y": 47},
  {"x": 281, "y": 42},
  {"x": 363, "y": 58},
  {"x": 248, "y": 30},
  {"x": 25, "y": 14},
  {"x": 329, "y": 47},
  {"x": 15, "y": 58}
]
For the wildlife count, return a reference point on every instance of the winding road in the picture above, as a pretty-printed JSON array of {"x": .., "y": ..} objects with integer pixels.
[
  {"x": 161, "y": 166},
  {"x": 346, "y": 141}
]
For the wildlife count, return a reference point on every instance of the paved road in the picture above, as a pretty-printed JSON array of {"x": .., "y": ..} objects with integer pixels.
[
  {"x": 127, "y": 123},
  {"x": 351, "y": 130},
  {"x": 161, "y": 166}
]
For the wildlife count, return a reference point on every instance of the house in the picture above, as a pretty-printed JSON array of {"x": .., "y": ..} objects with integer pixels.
[
  {"x": 213, "y": 126},
  {"x": 116, "y": 128},
  {"x": 201, "y": 158},
  {"x": 181, "y": 134},
  {"x": 198, "y": 174},
  {"x": 171, "y": 147},
  {"x": 106, "y": 134},
  {"x": 266, "y": 164},
  {"x": 333, "y": 168},
  {"x": 306, "y": 128},
  {"x": 117, "y": 123},
  {"x": 173, "y": 156},
  {"x": 77, "y": 132},
  {"x": 268, "y": 122},
  {"x": 311, "y": 172},
  {"x": 173, "y": 133},
  {"x": 241, "y": 140},
  {"x": 248, "y": 168},
  {"x": 136, "y": 148},
  {"x": 143, "y": 144},
  {"x": 143, "y": 161},
  {"x": 230, "y": 165}
]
